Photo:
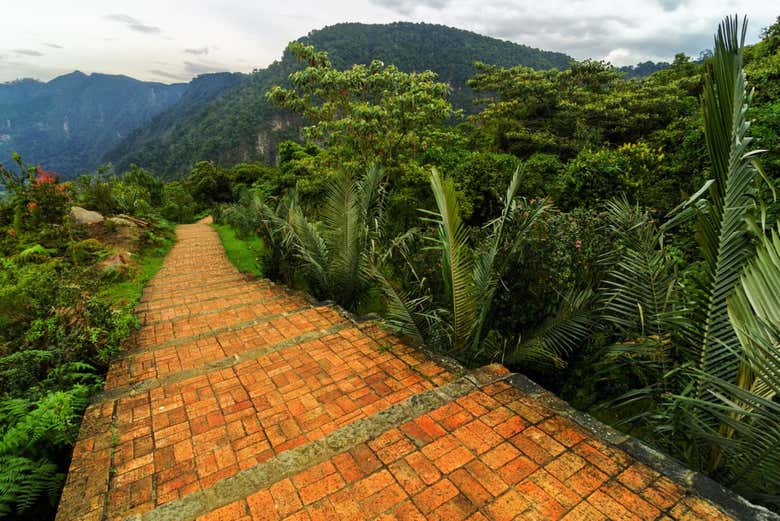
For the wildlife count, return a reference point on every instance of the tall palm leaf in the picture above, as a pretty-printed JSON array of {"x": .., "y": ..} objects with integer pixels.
[
  {"x": 722, "y": 233},
  {"x": 550, "y": 344},
  {"x": 456, "y": 260}
]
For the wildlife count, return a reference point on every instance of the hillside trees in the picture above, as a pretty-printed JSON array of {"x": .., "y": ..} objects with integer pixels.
[
  {"x": 586, "y": 105},
  {"x": 611, "y": 130}
]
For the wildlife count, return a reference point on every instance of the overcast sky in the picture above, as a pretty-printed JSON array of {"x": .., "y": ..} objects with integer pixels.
[{"x": 174, "y": 41}]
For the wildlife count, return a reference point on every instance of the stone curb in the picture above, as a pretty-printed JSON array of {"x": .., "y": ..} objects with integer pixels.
[
  {"x": 212, "y": 311},
  {"x": 217, "y": 365},
  {"x": 138, "y": 310},
  {"x": 211, "y": 333}
]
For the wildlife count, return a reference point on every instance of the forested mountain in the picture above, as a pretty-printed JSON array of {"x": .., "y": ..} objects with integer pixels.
[
  {"x": 144, "y": 141},
  {"x": 68, "y": 123},
  {"x": 243, "y": 126}
]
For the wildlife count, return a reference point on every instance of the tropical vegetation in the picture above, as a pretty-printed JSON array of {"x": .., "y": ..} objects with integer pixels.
[
  {"x": 581, "y": 223},
  {"x": 66, "y": 297}
]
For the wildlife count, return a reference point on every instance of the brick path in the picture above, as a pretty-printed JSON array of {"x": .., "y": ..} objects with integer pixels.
[{"x": 244, "y": 401}]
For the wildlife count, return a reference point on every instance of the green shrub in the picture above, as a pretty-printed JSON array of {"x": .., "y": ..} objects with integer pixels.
[
  {"x": 86, "y": 252},
  {"x": 34, "y": 254}
]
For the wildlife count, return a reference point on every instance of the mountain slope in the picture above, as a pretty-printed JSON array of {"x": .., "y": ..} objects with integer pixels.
[
  {"x": 68, "y": 123},
  {"x": 173, "y": 121},
  {"x": 242, "y": 126}
]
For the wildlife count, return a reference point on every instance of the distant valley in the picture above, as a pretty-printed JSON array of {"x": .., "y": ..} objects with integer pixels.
[{"x": 69, "y": 123}]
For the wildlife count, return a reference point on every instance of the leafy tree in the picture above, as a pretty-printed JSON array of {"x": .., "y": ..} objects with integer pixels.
[
  {"x": 562, "y": 112},
  {"x": 144, "y": 179},
  {"x": 209, "y": 184},
  {"x": 367, "y": 114}
]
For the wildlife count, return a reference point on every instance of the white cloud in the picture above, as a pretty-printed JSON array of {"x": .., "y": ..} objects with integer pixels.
[
  {"x": 133, "y": 24},
  {"x": 198, "y": 51}
]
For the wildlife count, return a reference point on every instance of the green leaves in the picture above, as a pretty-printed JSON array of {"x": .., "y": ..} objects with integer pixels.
[
  {"x": 564, "y": 112},
  {"x": 456, "y": 260},
  {"x": 31, "y": 435},
  {"x": 641, "y": 285},
  {"x": 336, "y": 253},
  {"x": 720, "y": 410},
  {"x": 754, "y": 311},
  {"x": 367, "y": 114},
  {"x": 722, "y": 234},
  {"x": 470, "y": 273}
]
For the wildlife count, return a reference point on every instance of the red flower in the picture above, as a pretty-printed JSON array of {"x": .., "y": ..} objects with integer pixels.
[
  {"x": 32, "y": 205},
  {"x": 45, "y": 177},
  {"x": 578, "y": 244}
]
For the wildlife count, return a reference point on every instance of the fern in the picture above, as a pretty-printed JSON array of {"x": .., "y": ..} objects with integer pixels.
[
  {"x": 23, "y": 481},
  {"x": 32, "y": 436},
  {"x": 34, "y": 253}
]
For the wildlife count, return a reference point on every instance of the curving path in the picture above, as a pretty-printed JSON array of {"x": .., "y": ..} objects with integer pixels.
[{"x": 242, "y": 400}]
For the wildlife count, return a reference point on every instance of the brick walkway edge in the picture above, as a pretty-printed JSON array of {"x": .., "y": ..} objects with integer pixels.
[{"x": 242, "y": 400}]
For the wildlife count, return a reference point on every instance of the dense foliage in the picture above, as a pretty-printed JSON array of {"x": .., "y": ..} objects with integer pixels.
[{"x": 66, "y": 297}]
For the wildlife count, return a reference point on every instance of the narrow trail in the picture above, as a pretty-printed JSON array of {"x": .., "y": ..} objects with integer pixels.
[{"x": 242, "y": 400}]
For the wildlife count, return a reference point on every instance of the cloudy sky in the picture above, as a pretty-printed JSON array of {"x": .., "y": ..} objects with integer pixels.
[{"x": 173, "y": 41}]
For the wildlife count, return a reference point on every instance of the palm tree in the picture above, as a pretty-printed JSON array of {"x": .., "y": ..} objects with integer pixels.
[
  {"x": 334, "y": 253},
  {"x": 459, "y": 320},
  {"x": 747, "y": 436},
  {"x": 728, "y": 332}
]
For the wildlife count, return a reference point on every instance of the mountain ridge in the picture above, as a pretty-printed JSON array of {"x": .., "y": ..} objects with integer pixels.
[{"x": 68, "y": 123}]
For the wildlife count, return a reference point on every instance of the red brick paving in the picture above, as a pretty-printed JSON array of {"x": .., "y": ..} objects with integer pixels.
[{"x": 495, "y": 453}]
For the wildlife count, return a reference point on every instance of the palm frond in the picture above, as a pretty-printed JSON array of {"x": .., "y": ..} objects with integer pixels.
[
  {"x": 750, "y": 449},
  {"x": 722, "y": 234},
  {"x": 343, "y": 233},
  {"x": 484, "y": 275},
  {"x": 640, "y": 285},
  {"x": 407, "y": 314},
  {"x": 456, "y": 260},
  {"x": 754, "y": 310},
  {"x": 489, "y": 266},
  {"x": 312, "y": 250},
  {"x": 551, "y": 343}
]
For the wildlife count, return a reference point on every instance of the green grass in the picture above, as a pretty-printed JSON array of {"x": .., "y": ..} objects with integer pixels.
[
  {"x": 126, "y": 293},
  {"x": 245, "y": 254}
]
